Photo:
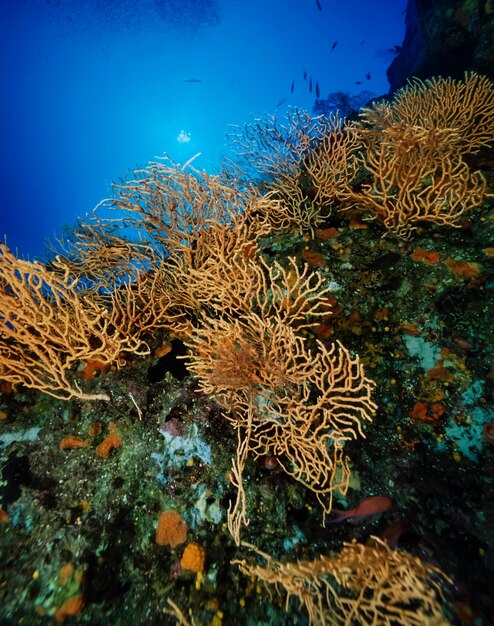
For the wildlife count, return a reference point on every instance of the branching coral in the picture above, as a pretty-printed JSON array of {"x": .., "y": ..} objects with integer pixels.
[
  {"x": 282, "y": 397},
  {"x": 364, "y": 585},
  {"x": 463, "y": 108},
  {"x": 184, "y": 254},
  {"x": 276, "y": 153},
  {"x": 268, "y": 147},
  {"x": 414, "y": 149},
  {"x": 333, "y": 165},
  {"x": 404, "y": 163},
  {"x": 174, "y": 208},
  {"x": 196, "y": 269},
  {"x": 412, "y": 184},
  {"x": 47, "y": 327}
]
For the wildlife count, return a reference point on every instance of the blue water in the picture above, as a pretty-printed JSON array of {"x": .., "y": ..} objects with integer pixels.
[{"x": 91, "y": 90}]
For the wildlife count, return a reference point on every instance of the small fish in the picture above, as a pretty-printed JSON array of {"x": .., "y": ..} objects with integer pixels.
[
  {"x": 318, "y": 91},
  {"x": 293, "y": 86},
  {"x": 279, "y": 103},
  {"x": 310, "y": 85},
  {"x": 368, "y": 75},
  {"x": 386, "y": 54},
  {"x": 489, "y": 432},
  {"x": 318, "y": 4},
  {"x": 462, "y": 343},
  {"x": 305, "y": 75},
  {"x": 391, "y": 535},
  {"x": 334, "y": 45},
  {"x": 358, "y": 82},
  {"x": 362, "y": 42},
  {"x": 365, "y": 508},
  {"x": 192, "y": 80}
]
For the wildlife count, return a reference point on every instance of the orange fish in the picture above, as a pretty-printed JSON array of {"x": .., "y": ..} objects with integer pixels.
[
  {"x": 375, "y": 505},
  {"x": 391, "y": 535}
]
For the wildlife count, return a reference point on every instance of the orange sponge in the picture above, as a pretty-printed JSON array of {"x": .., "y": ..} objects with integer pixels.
[
  {"x": 172, "y": 530},
  {"x": 193, "y": 558}
]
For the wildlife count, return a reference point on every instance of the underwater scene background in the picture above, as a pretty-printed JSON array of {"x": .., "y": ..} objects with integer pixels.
[
  {"x": 254, "y": 385},
  {"x": 94, "y": 89}
]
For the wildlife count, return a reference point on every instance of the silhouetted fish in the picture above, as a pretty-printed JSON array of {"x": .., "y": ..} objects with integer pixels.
[
  {"x": 318, "y": 91},
  {"x": 169, "y": 363},
  {"x": 358, "y": 82},
  {"x": 318, "y": 5},
  {"x": 278, "y": 104},
  {"x": 293, "y": 86},
  {"x": 334, "y": 45},
  {"x": 305, "y": 75},
  {"x": 192, "y": 80},
  {"x": 368, "y": 507},
  {"x": 363, "y": 41},
  {"x": 310, "y": 85},
  {"x": 368, "y": 75},
  {"x": 386, "y": 54}
]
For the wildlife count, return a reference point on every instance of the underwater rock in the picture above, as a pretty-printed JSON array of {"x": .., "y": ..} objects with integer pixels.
[
  {"x": 442, "y": 40},
  {"x": 16, "y": 473}
]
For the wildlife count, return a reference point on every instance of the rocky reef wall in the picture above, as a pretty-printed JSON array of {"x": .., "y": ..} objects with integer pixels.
[{"x": 445, "y": 37}]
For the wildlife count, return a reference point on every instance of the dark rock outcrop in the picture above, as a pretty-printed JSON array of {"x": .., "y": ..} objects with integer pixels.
[{"x": 445, "y": 37}]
